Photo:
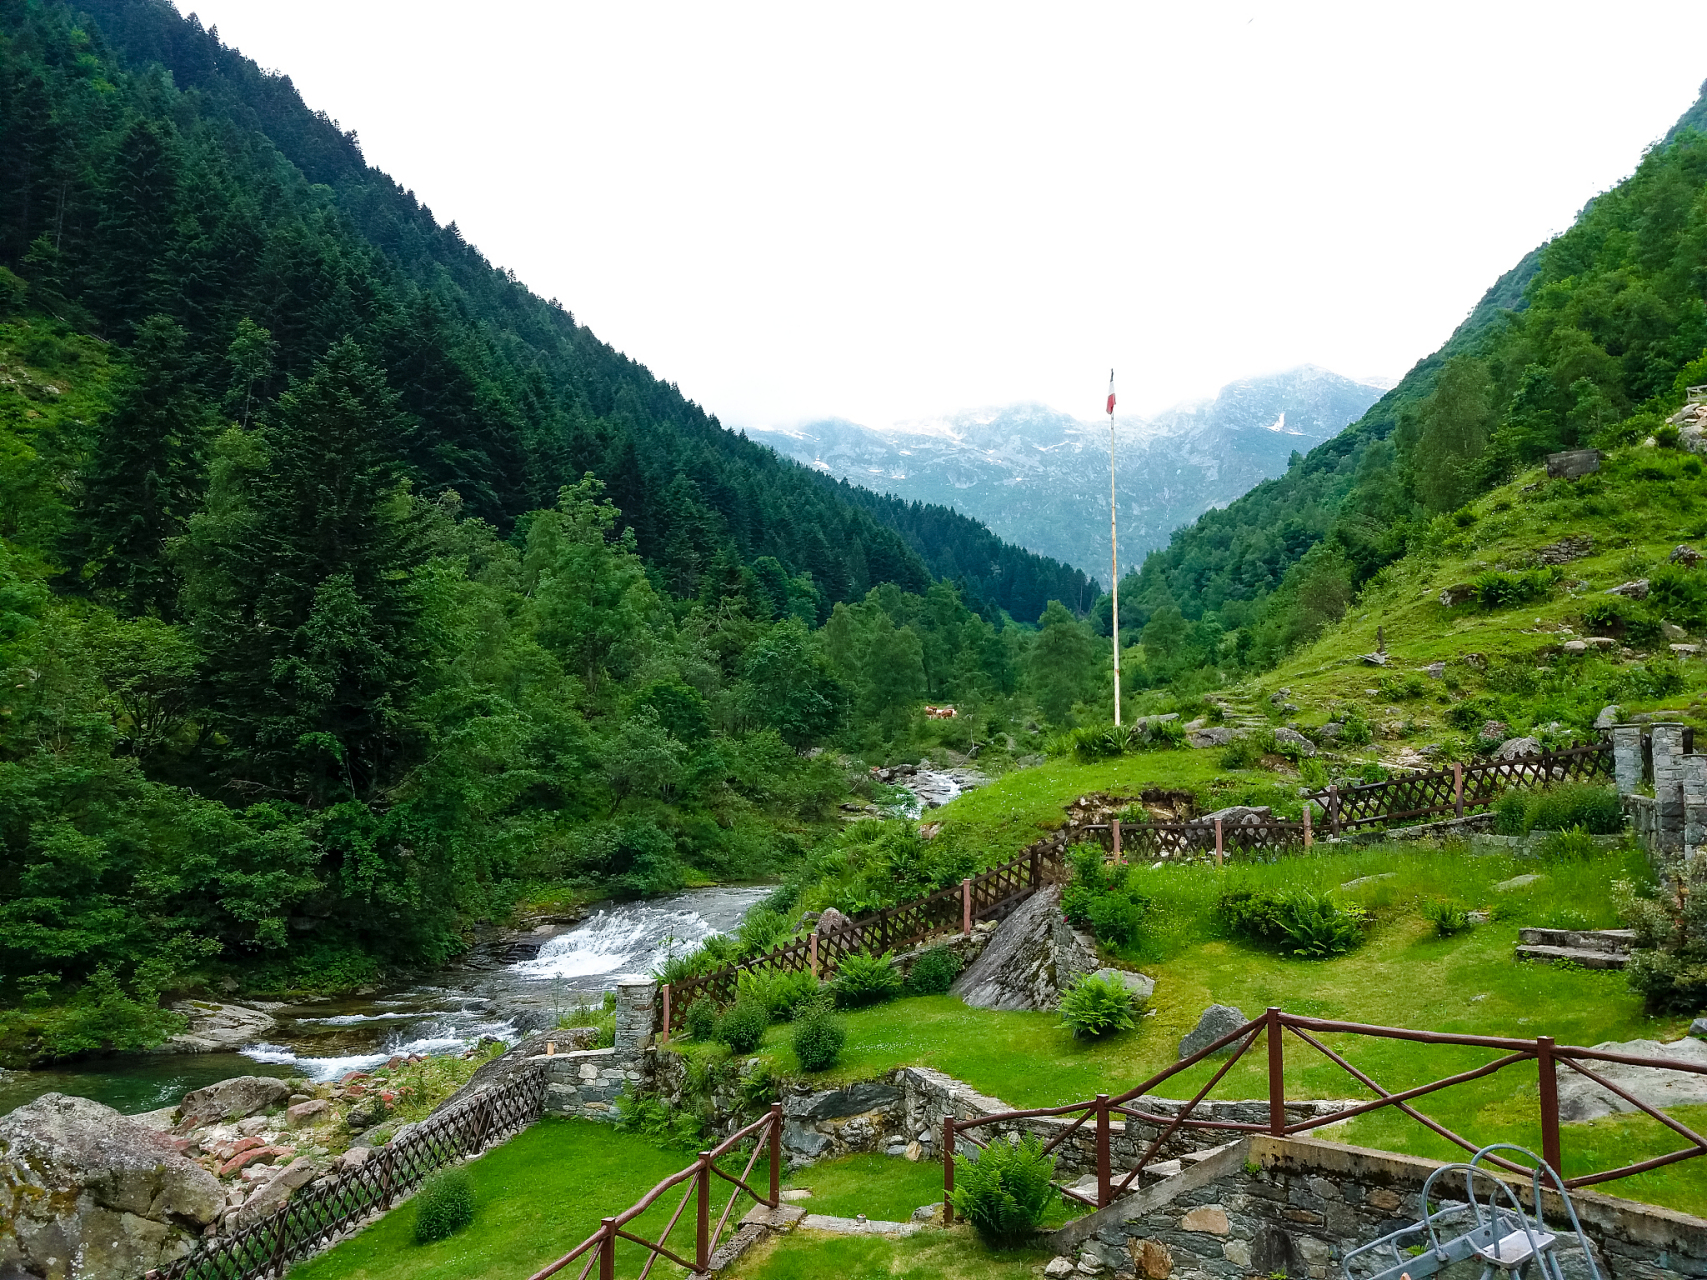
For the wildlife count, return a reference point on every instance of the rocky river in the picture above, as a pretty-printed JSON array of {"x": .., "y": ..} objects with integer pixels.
[{"x": 506, "y": 986}]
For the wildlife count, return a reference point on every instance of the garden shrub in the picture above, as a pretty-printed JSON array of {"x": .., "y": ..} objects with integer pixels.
[
  {"x": 1471, "y": 713},
  {"x": 1006, "y": 1191},
  {"x": 743, "y": 1026},
  {"x": 1511, "y": 814},
  {"x": 862, "y": 980},
  {"x": 1356, "y": 731},
  {"x": 700, "y": 1020},
  {"x": 1605, "y": 617},
  {"x": 818, "y": 1037},
  {"x": 1668, "y": 965},
  {"x": 665, "y": 1125},
  {"x": 1097, "y": 1006},
  {"x": 1595, "y": 810},
  {"x": 1298, "y": 923},
  {"x": 1101, "y": 898},
  {"x": 934, "y": 972},
  {"x": 1247, "y": 750},
  {"x": 1448, "y": 918},
  {"x": 444, "y": 1205}
]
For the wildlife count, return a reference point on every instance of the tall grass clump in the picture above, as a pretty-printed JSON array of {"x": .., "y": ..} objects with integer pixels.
[{"x": 443, "y": 1206}]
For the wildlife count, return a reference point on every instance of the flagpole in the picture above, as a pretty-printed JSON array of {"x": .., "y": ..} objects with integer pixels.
[{"x": 1113, "y": 549}]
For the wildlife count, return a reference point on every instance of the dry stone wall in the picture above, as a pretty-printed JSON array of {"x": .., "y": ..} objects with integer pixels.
[{"x": 1295, "y": 1207}]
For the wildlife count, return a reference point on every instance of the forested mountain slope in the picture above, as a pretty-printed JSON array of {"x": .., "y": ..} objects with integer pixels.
[
  {"x": 213, "y": 195},
  {"x": 316, "y": 647},
  {"x": 1588, "y": 341}
]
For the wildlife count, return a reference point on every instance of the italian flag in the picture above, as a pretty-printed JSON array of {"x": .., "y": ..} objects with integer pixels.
[{"x": 1111, "y": 393}]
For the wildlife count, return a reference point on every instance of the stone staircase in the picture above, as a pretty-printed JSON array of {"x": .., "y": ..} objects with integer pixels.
[
  {"x": 1240, "y": 710},
  {"x": 1591, "y": 948},
  {"x": 1160, "y": 1171}
]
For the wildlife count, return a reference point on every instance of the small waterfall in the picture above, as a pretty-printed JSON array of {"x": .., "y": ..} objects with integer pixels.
[{"x": 626, "y": 939}]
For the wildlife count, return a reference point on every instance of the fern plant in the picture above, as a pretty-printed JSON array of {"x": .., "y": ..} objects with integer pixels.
[
  {"x": 1006, "y": 1191},
  {"x": 1097, "y": 1006},
  {"x": 862, "y": 980}
]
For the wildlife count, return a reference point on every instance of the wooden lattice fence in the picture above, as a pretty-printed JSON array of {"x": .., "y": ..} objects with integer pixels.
[
  {"x": 990, "y": 895},
  {"x": 317, "y": 1214}
]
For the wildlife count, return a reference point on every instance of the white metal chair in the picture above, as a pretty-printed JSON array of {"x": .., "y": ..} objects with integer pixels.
[{"x": 1490, "y": 1226}]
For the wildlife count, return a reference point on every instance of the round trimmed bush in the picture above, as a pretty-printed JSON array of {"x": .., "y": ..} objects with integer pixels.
[
  {"x": 743, "y": 1026},
  {"x": 818, "y": 1038},
  {"x": 444, "y": 1206},
  {"x": 934, "y": 972}
]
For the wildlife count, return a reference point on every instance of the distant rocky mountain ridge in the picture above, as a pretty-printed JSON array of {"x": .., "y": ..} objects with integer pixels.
[{"x": 1039, "y": 477}]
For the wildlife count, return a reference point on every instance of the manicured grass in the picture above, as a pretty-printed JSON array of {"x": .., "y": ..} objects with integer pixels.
[
  {"x": 883, "y": 1188},
  {"x": 536, "y": 1197},
  {"x": 930, "y": 1255},
  {"x": 1404, "y": 976}
]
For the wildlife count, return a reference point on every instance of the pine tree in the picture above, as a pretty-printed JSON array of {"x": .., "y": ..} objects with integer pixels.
[
  {"x": 304, "y": 609},
  {"x": 145, "y": 477}
]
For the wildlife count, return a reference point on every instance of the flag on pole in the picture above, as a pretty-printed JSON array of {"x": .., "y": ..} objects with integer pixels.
[{"x": 1111, "y": 392}]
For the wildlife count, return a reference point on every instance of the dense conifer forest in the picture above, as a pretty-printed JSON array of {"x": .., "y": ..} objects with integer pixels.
[{"x": 350, "y": 593}]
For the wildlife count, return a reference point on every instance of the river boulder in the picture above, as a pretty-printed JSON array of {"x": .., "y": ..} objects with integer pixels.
[
  {"x": 88, "y": 1194},
  {"x": 231, "y": 1100}
]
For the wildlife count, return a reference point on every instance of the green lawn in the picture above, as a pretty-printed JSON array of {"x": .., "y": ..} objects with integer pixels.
[
  {"x": 1404, "y": 975},
  {"x": 537, "y": 1196},
  {"x": 931, "y": 1255}
]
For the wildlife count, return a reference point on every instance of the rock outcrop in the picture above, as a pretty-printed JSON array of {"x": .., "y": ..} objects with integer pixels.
[
  {"x": 1032, "y": 956},
  {"x": 1582, "y": 1099},
  {"x": 87, "y": 1193}
]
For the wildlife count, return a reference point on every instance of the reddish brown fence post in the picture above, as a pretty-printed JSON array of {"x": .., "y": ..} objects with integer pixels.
[
  {"x": 1103, "y": 1176},
  {"x": 948, "y": 1171},
  {"x": 702, "y": 1206},
  {"x": 966, "y": 906},
  {"x": 1276, "y": 1075},
  {"x": 776, "y": 1154},
  {"x": 1114, "y": 830},
  {"x": 607, "y": 1250},
  {"x": 1334, "y": 810},
  {"x": 1548, "y": 1075},
  {"x": 812, "y": 947},
  {"x": 1217, "y": 842},
  {"x": 665, "y": 1037},
  {"x": 1457, "y": 789},
  {"x": 1306, "y": 824},
  {"x": 1036, "y": 871}
]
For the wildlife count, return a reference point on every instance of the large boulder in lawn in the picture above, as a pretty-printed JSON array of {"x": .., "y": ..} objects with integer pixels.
[
  {"x": 1022, "y": 967},
  {"x": 89, "y": 1194},
  {"x": 231, "y": 1100},
  {"x": 1217, "y": 1020}
]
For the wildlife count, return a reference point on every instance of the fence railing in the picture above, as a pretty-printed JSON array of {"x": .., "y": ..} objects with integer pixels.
[
  {"x": 316, "y": 1214},
  {"x": 599, "y": 1249},
  {"x": 1456, "y": 791},
  {"x": 987, "y": 896},
  {"x": 1099, "y": 1113}
]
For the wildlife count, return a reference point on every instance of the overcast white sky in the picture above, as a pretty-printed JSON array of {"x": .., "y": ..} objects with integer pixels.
[{"x": 886, "y": 211}]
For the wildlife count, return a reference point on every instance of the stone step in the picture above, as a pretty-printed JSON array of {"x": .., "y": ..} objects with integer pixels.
[
  {"x": 1580, "y": 955},
  {"x": 1614, "y": 941}
]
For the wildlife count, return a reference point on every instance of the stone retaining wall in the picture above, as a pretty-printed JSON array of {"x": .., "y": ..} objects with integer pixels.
[{"x": 1295, "y": 1207}]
